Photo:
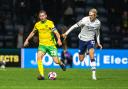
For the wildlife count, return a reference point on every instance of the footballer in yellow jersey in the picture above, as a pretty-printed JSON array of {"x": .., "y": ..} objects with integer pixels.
[{"x": 46, "y": 31}]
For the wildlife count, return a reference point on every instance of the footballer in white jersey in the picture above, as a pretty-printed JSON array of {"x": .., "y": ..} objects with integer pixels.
[{"x": 90, "y": 28}]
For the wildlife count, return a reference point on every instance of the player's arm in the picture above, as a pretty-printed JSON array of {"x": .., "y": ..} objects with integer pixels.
[
  {"x": 98, "y": 37},
  {"x": 70, "y": 29},
  {"x": 29, "y": 37},
  {"x": 78, "y": 24},
  {"x": 58, "y": 36}
]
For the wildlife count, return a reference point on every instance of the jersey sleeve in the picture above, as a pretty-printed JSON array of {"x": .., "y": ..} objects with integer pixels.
[
  {"x": 52, "y": 26},
  {"x": 98, "y": 25},
  {"x": 35, "y": 27},
  {"x": 81, "y": 22}
]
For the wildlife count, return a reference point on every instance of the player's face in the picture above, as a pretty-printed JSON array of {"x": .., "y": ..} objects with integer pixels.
[
  {"x": 92, "y": 16},
  {"x": 42, "y": 16}
]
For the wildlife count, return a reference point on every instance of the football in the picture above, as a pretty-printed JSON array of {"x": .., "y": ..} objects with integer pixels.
[{"x": 52, "y": 75}]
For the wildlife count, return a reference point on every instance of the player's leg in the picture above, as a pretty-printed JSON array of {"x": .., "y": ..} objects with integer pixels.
[
  {"x": 83, "y": 54},
  {"x": 70, "y": 61},
  {"x": 93, "y": 63},
  {"x": 58, "y": 61},
  {"x": 81, "y": 57},
  {"x": 52, "y": 51},
  {"x": 91, "y": 55},
  {"x": 40, "y": 54},
  {"x": 82, "y": 49}
]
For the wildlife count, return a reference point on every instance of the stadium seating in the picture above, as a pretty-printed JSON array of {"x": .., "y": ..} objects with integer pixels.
[{"x": 21, "y": 12}]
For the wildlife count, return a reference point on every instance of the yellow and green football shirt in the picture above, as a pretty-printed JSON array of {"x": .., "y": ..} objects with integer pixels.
[{"x": 45, "y": 31}]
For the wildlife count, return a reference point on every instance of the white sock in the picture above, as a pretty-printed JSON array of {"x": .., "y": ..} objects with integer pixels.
[
  {"x": 94, "y": 72},
  {"x": 93, "y": 64},
  {"x": 93, "y": 67}
]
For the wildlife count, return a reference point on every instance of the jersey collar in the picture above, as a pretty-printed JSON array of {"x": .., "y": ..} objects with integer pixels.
[{"x": 44, "y": 21}]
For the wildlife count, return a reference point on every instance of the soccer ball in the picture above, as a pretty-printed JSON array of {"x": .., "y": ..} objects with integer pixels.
[{"x": 52, "y": 75}]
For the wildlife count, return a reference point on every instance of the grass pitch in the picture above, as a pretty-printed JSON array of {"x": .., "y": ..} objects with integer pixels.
[{"x": 17, "y": 78}]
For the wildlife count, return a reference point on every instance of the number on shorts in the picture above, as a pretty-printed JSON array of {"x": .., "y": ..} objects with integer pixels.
[{"x": 53, "y": 52}]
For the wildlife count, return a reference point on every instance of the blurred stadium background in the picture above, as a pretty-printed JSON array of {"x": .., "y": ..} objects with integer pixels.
[{"x": 17, "y": 18}]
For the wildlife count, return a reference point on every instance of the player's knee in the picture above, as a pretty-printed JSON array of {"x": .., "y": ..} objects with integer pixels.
[
  {"x": 39, "y": 57},
  {"x": 91, "y": 51},
  {"x": 57, "y": 61},
  {"x": 81, "y": 58}
]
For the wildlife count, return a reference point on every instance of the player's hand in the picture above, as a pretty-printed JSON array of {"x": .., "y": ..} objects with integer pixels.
[
  {"x": 26, "y": 43},
  {"x": 64, "y": 36},
  {"x": 100, "y": 46},
  {"x": 59, "y": 42}
]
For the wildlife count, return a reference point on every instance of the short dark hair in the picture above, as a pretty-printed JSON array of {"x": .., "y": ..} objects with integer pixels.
[{"x": 42, "y": 11}]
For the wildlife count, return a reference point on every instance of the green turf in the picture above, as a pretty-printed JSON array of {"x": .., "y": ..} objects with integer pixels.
[{"x": 16, "y": 78}]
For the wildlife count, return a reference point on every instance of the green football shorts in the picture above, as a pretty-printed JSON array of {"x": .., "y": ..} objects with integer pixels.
[{"x": 51, "y": 50}]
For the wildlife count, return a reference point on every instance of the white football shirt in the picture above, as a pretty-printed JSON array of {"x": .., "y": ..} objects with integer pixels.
[{"x": 88, "y": 29}]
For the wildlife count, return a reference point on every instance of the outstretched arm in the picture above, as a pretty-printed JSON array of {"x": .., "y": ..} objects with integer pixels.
[
  {"x": 78, "y": 24},
  {"x": 29, "y": 37},
  {"x": 58, "y": 37},
  {"x": 70, "y": 29}
]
